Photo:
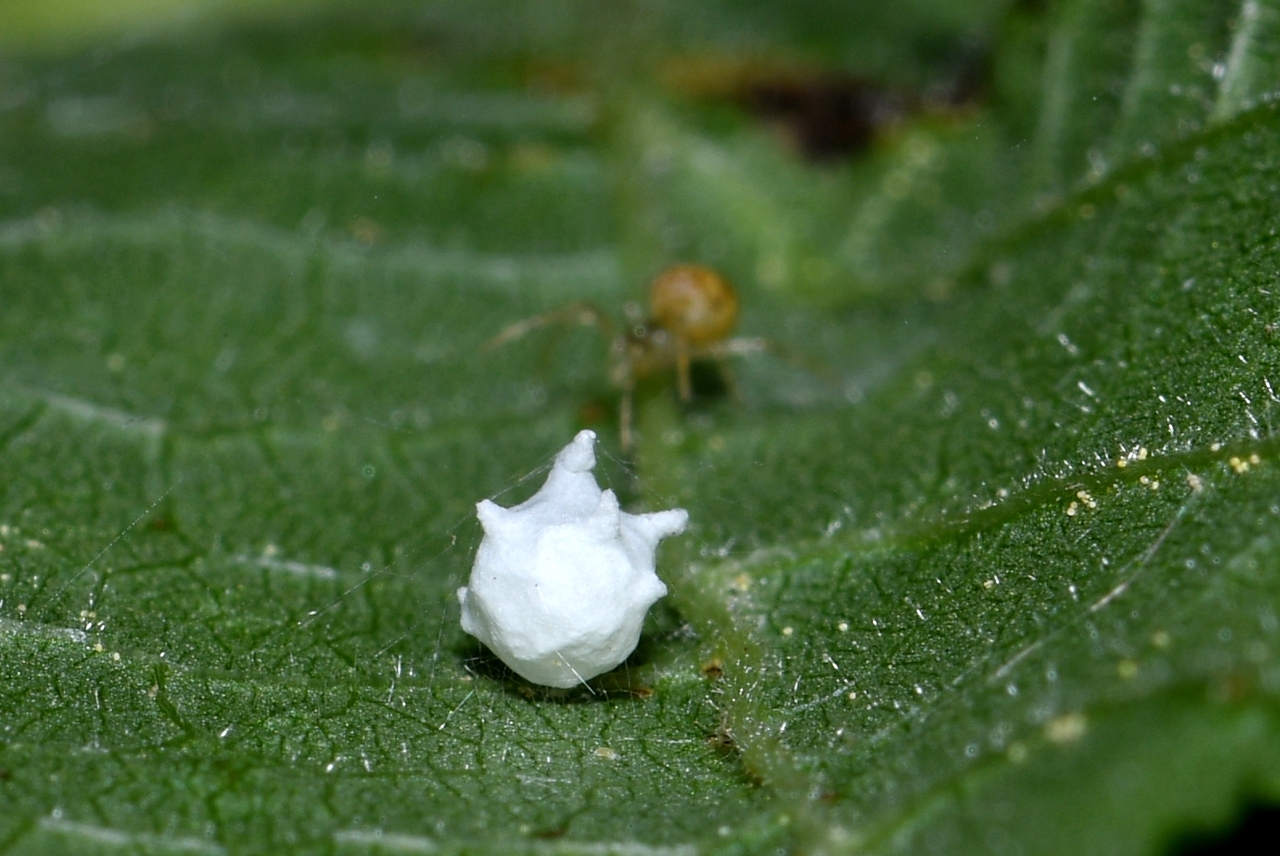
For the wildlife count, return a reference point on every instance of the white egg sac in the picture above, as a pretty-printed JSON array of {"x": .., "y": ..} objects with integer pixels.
[{"x": 562, "y": 582}]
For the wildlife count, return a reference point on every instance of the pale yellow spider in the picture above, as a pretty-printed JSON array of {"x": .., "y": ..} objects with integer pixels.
[{"x": 692, "y": 311}]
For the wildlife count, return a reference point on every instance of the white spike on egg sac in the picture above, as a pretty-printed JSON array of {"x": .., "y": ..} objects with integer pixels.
[{"x": 562, "y": 582}]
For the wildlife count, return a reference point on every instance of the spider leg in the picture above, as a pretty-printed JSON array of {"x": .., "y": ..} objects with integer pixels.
[
  {"x": 738, "y": 346},
  {"x": 625, "y": 417},
  {"x": 742, "y": 346},
  {"x": 580, "y": 312},
  {"x": 684, "y": 381},
  {"x": 730, "y": 379}
]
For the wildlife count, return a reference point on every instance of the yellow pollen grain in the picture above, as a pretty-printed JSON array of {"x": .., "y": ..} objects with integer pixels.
[{"x": 1066, "y": 728}]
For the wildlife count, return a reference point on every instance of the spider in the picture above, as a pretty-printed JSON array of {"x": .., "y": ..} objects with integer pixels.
[{"x": 692, "y": 311}]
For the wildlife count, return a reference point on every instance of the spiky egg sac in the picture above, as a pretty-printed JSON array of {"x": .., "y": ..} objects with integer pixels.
[{"x": 562, "y": 582}]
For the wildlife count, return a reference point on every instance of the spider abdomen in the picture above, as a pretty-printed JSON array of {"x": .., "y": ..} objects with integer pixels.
[{"x": 694, "y": 303}]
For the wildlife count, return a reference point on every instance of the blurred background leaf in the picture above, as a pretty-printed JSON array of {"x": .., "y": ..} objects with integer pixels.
[{"x": 994, "y": 571}]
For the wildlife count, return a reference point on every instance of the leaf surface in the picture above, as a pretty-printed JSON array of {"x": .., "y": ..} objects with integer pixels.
[{"x": 982, "y": 559}]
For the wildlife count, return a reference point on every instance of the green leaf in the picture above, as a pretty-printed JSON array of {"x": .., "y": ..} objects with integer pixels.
[{"x": 989, "y": 565}]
